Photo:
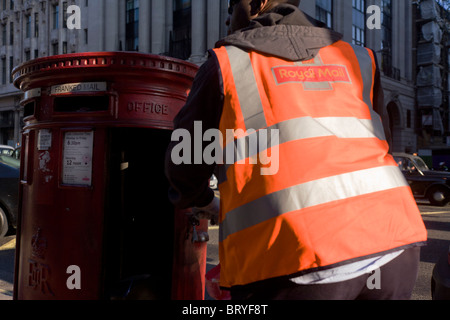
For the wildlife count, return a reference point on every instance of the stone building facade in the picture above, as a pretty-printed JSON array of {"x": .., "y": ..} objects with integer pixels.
[{"x": 186, "y": 29}]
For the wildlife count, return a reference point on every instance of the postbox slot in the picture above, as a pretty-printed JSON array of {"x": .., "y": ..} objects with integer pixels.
[{"x": 81, "y": 104}]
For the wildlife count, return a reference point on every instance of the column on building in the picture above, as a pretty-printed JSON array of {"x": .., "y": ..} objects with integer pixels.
[
  {"x": 145, "y": 15},
  {"x": 62, "y": 31},
  {"x": 397, "y": 35},
  {"x": 18, "y": 37},
  {"x": 17, "y": 126},
  {"x": 96, "y": 17},
  {"x": 112, "y": 25},
  {"x": 373, "y": 37},
  {"x": 198, "y": 32},
  {"x": 406, "y": 64},
  {"x": 223, "y": 18},
  {"x": 213, "y": 23},
  {"x": 309, "y": 7},
  {"x": 343, "y": 18},
  {"x": 122, "y": 25},
  {"x": 168, "y": 23},
  {"x": 158, "y": 28},
  {"x": 44, "y": 25}
]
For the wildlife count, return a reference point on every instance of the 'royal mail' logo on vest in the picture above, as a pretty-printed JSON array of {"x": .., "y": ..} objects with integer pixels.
[{"x": 313, "y": 74}]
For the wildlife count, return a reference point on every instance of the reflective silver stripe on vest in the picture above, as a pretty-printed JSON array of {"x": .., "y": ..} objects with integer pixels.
[
  {"x": 299, "y": 129},
  {"x": 311, "y": 194},
  {"x": 293, "y": 130},
  {"x": 365, "y": 65},
  {"x": 303, "y": 128},
  {"x": 246, "y": 88}
]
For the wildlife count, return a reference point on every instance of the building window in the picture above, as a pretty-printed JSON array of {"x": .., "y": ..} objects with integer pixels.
[
  {"x": 65, "y": 15},
  {"x": 359, "y": 23},
  {"x": 36, "y": 25},
  {"x": 324, "y": 12},
  {"x": 28, "y": 26},
  {"x": 55, "y": 49},
  {"x": 36, "y": 53},
  {"x": 64, "y": 47},
  {"x": 132, "y": 25},
  {"x": 180, "y": 37},
  {"x": 11, "y": 4},
  {"x": 86, "y": 36},
  {"x": 55, "y": 14},
  {"x": 3, "y": 71},
  {"x": 386, "y": 37},
  {"x": 27, "y": 55}
]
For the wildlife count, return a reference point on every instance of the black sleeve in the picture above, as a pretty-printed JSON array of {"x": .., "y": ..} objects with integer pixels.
[{"x": 189, "y": 185}]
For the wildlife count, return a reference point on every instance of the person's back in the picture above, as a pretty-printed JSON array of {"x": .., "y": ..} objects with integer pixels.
[{"x": 331, "y": 201}]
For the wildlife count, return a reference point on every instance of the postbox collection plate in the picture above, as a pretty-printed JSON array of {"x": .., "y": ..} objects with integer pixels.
[{"x": 77, "y": 158}]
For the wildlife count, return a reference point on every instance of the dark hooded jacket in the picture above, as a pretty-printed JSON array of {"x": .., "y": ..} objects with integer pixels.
[{"x": 285, "y": 32}]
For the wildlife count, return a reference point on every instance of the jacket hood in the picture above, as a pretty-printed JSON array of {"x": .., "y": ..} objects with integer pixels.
[{"x": 285, "y": 32}]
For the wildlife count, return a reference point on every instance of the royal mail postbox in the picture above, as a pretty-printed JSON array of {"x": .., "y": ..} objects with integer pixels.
[{"x": 94, "y": 219}]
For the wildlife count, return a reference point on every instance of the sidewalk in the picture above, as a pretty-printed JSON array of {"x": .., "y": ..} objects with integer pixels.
[
  {"x": 6, "y": 290},
  {"x": 7, "y": 250}
]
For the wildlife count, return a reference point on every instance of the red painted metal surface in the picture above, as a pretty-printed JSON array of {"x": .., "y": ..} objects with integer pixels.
[
  {"x": 94, "y": 220},
  {"x": 189, "y": 259}
]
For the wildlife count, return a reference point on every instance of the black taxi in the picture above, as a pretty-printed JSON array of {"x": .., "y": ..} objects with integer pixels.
[{"x": 424, "y": 182}]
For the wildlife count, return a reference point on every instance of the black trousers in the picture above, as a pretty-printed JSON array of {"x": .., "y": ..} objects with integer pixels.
[{"x": 393, "y": 281}]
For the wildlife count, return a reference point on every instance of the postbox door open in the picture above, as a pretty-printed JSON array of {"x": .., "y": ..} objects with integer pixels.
[{"x": 139, "y": 226}]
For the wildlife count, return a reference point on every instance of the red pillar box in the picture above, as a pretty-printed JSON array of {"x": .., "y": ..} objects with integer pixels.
[{"x": 94, "y": 218}]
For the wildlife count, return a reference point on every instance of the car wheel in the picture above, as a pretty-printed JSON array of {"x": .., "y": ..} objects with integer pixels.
[
  {"x": 438, "y": 196},
  {"x": 3, "y": 223}
]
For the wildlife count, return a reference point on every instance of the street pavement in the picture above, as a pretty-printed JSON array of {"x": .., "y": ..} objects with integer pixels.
[
  {"x": 437, "y": 221},
  {"x": 7, "y": 249}
]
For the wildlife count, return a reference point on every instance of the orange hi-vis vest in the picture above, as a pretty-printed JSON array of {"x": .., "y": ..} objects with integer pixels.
[{"x": 332, "y": 193}]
